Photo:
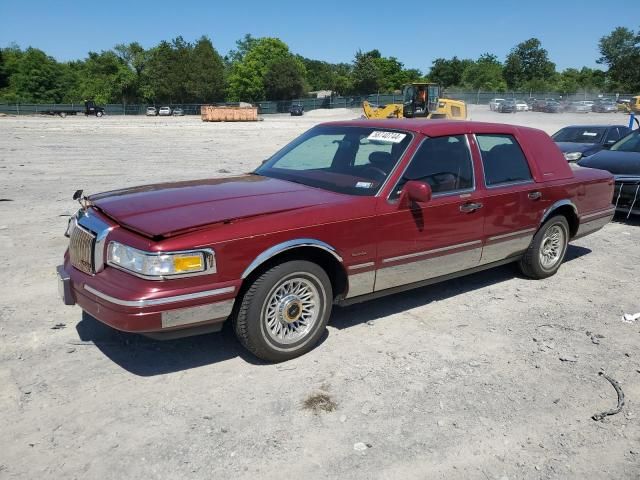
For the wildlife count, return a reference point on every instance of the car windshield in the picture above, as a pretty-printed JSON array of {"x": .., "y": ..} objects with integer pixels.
[
  {"x": 342, "y": 159},
  {"x": 580, "y": 134},
  {"x": 630, "y": 143}
]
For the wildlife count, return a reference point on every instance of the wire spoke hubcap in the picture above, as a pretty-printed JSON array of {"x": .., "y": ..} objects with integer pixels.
[
  {"x": 552, "y": 247},
  {"x": 291, "y": 310}
]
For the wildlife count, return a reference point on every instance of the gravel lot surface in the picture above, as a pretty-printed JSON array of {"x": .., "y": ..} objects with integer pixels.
[{"x": 490, "y": 376}]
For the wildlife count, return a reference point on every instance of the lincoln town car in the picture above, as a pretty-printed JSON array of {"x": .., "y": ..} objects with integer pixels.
[{"x": 346, "y": 212}]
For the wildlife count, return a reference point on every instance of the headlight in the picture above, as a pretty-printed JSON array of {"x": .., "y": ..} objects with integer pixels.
[
  {"x": 572, "y": 156},
  {"x": 160, "y": 265}
]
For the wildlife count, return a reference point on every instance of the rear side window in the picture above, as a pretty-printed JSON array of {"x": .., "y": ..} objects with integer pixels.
[{"x": 502, "y": 160}]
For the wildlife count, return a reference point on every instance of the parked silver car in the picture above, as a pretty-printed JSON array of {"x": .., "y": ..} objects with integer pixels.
[
  {"x": 151, "y": 112},
  {"x": 582, "y": 106},
  {"x": 493, "y": 104},
  {"x": 164, "y": 111}
]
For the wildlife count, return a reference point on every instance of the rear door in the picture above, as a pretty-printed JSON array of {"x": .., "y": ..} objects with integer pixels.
[{"x": 513, "y": 201}]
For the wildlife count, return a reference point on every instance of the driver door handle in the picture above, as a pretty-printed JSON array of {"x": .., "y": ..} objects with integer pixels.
[
  {"x": 535, "y": 195},
  {"x": 470, "y": 207}
]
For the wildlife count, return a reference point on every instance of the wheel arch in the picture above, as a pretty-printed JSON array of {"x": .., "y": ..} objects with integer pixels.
[
  {"x": 567, "y": 209},
  {"x": 309, "y": 249}
]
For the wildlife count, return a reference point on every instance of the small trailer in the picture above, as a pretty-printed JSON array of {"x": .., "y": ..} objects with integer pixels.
[{"x": 90, "y": 108}]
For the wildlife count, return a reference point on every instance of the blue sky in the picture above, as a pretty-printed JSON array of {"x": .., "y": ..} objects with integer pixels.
[{"x": 414, "y": 32}]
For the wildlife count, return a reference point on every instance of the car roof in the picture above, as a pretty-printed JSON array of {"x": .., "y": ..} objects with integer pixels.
[{"x": 434, "y": 128}]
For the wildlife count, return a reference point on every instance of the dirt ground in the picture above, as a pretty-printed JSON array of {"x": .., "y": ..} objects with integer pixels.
[{"x": 491, "y": 376}]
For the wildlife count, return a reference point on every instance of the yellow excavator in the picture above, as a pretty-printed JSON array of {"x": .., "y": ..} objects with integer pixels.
[{"x": 419, "y": 100}]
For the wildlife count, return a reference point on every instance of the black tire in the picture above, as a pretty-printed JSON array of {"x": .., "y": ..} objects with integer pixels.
[
  {"x": 531, "y": 263},
  {"x": 63, "y": 114},
  {"x": 99, "y": 114},
  {"x": 250, "y": 322}
]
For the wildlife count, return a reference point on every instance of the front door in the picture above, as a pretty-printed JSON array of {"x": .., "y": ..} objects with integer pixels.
[{"x": 438, "y": 237}]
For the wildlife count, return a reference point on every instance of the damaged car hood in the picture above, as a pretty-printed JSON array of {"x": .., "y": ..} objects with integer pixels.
[{"x": 163, "y": 210}]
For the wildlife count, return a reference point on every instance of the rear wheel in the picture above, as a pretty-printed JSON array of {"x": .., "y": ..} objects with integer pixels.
[
  {"x": 547, "y": 249},
  {"x": 285, "y": 311}
]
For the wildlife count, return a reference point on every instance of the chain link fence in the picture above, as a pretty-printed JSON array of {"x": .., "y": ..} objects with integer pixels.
[{"x": 271, "y": 107}]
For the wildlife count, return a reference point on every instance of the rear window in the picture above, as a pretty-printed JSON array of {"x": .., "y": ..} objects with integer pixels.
[{"x": 502, "y": 160}]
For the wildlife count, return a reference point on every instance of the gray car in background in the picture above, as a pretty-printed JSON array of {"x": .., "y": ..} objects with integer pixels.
[{"x": 582, "y": 106}]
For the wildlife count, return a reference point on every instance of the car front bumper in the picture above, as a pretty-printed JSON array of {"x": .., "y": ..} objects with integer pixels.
[{"x": 136, "y": 306}]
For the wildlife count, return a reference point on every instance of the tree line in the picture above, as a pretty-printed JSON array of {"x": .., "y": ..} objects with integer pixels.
[{"x": 179, "y": 71}]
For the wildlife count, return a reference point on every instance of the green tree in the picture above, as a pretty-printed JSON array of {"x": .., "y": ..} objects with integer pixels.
[
  {"x": 527, "y": 65},
  {"x": 366, "y": 76},
  {"x": 285, "y": 79},
  {"x": 393, "y": 75},
  {"x": 620, "y": 52},
  {"x": 246, "y": 77},
  {"x": 485, "y": 74},
  {"x": 592, "y": 79},
  {"x": 448, "y": 73},
  {"x": 568, "y": 81},
  {"x": 36, "y": 78},
  {"x": 243, "y": 46},
  {"x": 205, "y": 79},
  {"x": 320, "y": 75},
  {"x": 157, "y": 76},
  {"x": 4, "y": 78}
]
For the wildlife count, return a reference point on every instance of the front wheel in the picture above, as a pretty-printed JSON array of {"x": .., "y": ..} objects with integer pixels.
[
  {"x": 547, "y": 249},
  {"x": 99, "y": 114},
  {"x": 284, "y": 312}
]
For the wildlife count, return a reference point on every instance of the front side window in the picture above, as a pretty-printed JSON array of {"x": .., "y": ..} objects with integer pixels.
[
  {"x": 342, "y": 159},
  {"x": 502, "y": 160},
  {"x": 442, "y": 162}
]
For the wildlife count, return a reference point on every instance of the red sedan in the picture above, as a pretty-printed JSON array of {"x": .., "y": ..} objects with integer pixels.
[{"x": 347, "y": 211}]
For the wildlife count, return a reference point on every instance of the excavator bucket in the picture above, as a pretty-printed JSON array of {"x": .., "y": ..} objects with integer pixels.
[{"x": 393, "y": 110}]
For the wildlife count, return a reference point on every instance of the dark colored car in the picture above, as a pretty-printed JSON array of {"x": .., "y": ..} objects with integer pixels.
[
  {"x": 551, "y": 106},
  {"x": 507, "y": 106},
  {"x": 605, "y": 106},
  {"x": 538, "y": 105},
  {"x": 296, "y": 110},
  {"x": 345, "y": 212},
  {"x": 623, "y": 161},
  {"x": 578, "y": 141}
]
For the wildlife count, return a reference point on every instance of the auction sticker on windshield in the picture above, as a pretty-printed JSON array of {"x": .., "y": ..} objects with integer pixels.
[{"x": 380, "y": 136}]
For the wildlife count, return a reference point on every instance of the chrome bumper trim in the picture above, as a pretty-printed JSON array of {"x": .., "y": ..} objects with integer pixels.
[
  {"x": 428, "y": 252},
  {"x": 199, "y": 314},
  {"x": 147, "y": 302}
]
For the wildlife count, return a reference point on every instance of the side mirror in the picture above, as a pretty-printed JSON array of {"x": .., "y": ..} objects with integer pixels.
[{"x": 415, "y": 191}]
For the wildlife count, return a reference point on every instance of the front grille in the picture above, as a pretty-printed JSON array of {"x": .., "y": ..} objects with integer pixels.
[
  {"x": 626, "y": 193},
  {"x": 81, "y": 244}
]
